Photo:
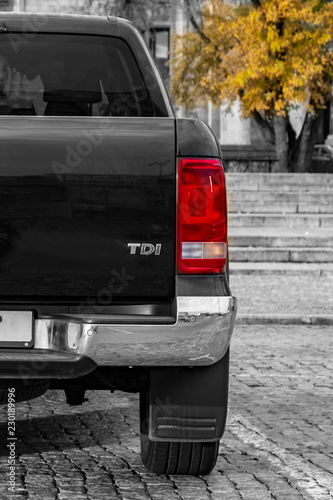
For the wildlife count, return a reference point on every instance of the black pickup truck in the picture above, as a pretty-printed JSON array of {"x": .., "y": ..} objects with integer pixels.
[{"x": 113, "y": 235}]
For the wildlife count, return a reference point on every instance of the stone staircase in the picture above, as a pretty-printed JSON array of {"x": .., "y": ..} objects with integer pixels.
[{"x": 280, "y": 222}]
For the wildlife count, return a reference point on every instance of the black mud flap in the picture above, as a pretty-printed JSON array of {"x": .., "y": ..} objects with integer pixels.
[{"x": 188, "y": 404}]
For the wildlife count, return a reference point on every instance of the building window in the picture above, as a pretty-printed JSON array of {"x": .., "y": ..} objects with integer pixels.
[{"x": 159, "y": 44}]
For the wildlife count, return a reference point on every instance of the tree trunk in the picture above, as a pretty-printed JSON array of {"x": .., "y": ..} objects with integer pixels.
[
  {"x": 301, "y": 155},
  {"x": 291, "y": 137},
  {"x": 281, "y": 144},
  {"x": 265, "y": 127}
]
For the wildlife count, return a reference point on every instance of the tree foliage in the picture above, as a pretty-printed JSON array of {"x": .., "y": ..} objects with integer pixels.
[{"x": 271, "y": 55}]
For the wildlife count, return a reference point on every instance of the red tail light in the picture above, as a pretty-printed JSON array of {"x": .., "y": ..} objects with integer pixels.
[{"x": 202, "y": 217}]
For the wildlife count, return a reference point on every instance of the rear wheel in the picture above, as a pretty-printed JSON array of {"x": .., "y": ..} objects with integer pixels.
[
  {"x": 174, "y": 457},
  {"x": 24, "y": 390},
  {"x": 183, "y": 456}
]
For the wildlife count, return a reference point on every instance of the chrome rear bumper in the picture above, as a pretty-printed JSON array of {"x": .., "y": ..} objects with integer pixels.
[{"x": 200, "y": 336}]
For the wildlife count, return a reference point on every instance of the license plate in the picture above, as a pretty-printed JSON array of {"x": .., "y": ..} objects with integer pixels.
[{"x": 16, "y": 329}]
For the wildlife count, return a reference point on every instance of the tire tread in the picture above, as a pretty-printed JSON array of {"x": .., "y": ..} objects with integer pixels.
[{"x": 181, "y": 458}]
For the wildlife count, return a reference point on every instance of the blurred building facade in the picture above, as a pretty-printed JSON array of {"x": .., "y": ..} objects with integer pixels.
[{"x": 6, "y": 5}]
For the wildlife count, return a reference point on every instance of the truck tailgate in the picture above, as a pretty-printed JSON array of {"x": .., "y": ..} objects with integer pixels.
[{"x": 87, "y": 205}]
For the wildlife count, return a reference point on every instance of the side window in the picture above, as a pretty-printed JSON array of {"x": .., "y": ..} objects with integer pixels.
[{"x": 71, "y": 75}]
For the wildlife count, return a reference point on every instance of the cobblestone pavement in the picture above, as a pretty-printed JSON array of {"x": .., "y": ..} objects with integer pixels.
[{"x": 278, "y": 443}]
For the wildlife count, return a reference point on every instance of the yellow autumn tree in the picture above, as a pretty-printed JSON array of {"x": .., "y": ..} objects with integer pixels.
[{"x": 272, "y": 55}]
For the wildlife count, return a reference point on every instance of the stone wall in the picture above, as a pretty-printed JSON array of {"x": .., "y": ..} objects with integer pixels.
[
  {"x": 241, "y": 159},
  {"x": 250, "y": 166}
]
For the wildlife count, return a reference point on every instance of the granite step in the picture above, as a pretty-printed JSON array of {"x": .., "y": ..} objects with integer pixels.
[
  {"x": 280, "y": 182},
  {"x": 280, "y": 220},
  {"x": 292, "y": 268},
  {"x": 319, "y": 197},
  {"x": 281, "y": 254},
  {"x": 278, "y": 207},
  {"x": 277, "y": 237}
]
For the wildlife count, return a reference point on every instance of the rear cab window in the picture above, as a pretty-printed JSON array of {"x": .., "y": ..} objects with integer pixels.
[{"x": 71, "y": 75}]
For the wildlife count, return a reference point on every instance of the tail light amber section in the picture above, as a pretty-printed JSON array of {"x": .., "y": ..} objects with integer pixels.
[{"x": 202, "y": 216}]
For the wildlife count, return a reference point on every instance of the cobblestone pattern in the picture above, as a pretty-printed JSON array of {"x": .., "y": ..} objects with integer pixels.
[{"x": 278, "y": 442}]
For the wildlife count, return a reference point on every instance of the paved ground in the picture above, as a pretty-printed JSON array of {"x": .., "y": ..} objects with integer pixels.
[
  {"x": 275, "y": 294},
  {"x": 278, "y": 443}
]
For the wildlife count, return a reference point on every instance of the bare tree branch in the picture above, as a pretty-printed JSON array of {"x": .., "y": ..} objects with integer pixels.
[{"x": 194, "y": 23}]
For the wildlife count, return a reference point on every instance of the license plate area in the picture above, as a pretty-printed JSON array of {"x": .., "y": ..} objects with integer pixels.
[{"x": 16, "y": 329}]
